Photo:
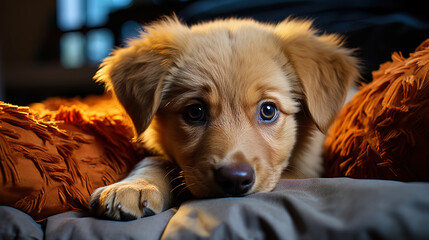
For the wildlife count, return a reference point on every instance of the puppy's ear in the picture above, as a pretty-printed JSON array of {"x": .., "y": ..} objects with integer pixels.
[
  {"x": 135, "y": 74},
  {"x": 325, "y": 69}
]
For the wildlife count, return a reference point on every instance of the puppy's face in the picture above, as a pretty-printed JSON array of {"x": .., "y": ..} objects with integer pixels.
[
  {"x": 224, "y": 109},
  {"x": 220, "y": 98}
]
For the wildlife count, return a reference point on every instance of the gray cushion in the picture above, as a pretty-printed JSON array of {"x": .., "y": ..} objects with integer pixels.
[
  {"x": 320, "y": 208},
  {"x": 15, "y": 224}
]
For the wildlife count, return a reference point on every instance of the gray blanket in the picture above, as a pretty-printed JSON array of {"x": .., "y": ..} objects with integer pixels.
[{"x": 337, "y": 208}]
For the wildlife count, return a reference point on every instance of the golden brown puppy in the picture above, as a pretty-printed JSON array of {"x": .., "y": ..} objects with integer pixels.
[{"x": 236, "y": 104}]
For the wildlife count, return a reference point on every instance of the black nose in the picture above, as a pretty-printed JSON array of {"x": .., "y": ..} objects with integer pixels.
[{"x": 235, "y": 179}]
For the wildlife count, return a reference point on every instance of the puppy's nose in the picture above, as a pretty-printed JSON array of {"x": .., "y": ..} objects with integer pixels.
[{"x": 235, "y": 179}]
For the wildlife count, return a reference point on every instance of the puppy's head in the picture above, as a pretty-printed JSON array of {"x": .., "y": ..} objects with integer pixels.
[{"x": 220, "y": 98}]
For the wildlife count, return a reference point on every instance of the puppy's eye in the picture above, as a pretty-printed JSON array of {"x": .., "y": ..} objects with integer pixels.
[
  {"x": 195, "y": 114},
  {"x": 268, "y": 112}
]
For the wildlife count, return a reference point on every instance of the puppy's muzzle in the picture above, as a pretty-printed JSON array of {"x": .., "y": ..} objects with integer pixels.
[{"x": 236, "y": 179}]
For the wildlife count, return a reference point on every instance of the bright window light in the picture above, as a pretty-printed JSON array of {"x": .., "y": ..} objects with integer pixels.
[
  {"x": 118, "y": 4},
  {"x": 100, "y": 43},
  {"x": 72, "y": 46},
  {"x": 79, "y": 46},
  {"x": 70, "y": 14},
  {"x": 97, "y": 12}
]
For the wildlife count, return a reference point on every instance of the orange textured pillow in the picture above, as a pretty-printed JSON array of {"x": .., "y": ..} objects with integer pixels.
[
  {"x": 54, "y": 154},
  {"x": 383, "y": 132}
]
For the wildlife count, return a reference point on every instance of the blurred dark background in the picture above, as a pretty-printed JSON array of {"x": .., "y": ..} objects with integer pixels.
[{"x": 53, "y": 47}]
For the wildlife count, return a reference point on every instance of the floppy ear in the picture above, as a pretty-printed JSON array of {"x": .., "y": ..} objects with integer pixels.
[
  {"x": 135, "y": 74},
  {"x": 325, "y": 69}
]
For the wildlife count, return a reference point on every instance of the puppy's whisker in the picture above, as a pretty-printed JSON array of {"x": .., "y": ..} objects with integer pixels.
[
  {"x": 184, "y": 190},
  {"x": 176, "y": 179},
  {"x": 178, "y": 186},
  {"x": 187, "y": 187},
  {"x": 169, "y": 173}
]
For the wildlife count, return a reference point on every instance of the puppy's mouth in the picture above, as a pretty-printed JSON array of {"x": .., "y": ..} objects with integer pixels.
[{"x": 224, "y": 181}]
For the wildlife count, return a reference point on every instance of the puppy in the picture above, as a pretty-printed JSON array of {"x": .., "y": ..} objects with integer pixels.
[{"x": 236, "y": 104}]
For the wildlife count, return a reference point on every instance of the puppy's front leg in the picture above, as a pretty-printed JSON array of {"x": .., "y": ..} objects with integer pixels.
[{"x": 144, "y": 192}]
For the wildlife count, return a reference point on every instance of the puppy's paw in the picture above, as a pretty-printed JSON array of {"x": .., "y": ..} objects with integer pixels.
[{"x": 127, "y": 200}]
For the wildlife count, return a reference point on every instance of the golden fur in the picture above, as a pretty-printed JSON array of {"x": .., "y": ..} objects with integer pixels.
[{"x": 230, "y": 66}]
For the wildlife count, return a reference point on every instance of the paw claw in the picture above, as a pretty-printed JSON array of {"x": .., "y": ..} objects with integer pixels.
[
  {"x": 126, "y": 216},
  {"x": 147, "y": 212},
  {"x": 127, "y": 201},
  {"x": 94, "y": 204}
]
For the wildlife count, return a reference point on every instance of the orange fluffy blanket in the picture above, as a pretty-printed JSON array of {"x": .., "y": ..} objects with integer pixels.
[
  {"x": 55, "y": 154},
  {"x": 384, "y": 131}
]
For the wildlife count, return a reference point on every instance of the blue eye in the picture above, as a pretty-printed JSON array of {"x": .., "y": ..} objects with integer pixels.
[
  {"x": 195, "y": 114},
  {"x": 268, "y": 112}
]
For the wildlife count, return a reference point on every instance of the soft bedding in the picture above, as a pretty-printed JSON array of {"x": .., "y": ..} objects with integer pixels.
[{"x": 322, "y": 208}]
